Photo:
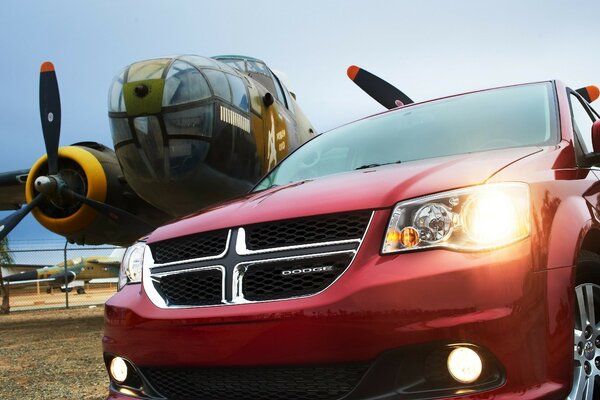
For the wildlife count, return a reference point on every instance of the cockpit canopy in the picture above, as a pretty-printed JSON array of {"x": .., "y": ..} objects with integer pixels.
[
  {"x": 258, "y": 70},
  {"x": 186, "y": 79}
]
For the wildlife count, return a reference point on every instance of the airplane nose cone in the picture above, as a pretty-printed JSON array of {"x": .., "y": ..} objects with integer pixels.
[{"x": 189, "y": 134}]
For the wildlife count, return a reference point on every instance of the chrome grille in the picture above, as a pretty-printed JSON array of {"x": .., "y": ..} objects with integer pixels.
[
  {"x": 267, "y": 383},
  {"x": 240, "y": 274}
]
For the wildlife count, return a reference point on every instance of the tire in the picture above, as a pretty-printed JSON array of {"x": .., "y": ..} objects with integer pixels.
[
  {"x": 80, "y": 290},
  {"x": 586, "y": 320}
]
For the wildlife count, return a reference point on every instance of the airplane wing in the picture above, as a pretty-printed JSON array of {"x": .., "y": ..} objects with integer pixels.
[
  {"x": 28, "y": 282},
  {"x": 24, "y": 266},
  {"x": 104, "y": 261},
  {"x": 12, "y": 189}
]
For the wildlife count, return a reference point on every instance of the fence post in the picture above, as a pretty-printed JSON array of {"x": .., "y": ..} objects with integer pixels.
[
  {"x": 66, "y": 277},
  {"x": 5, "y": 293}
]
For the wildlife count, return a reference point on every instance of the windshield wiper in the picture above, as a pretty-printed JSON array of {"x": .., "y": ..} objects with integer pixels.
[
  {"x": 376, "y": 165},
  {"x": 368, "y": 166}
]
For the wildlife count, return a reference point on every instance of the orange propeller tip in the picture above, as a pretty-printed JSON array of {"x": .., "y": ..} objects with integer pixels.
[
  {"x": 353, "y": 71},
  {"x": 593, "y": 92},
  {"x": 47, "y": 67}
]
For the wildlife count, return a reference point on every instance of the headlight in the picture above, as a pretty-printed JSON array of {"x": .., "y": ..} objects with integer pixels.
[
  {"x": 476, "y": 218},
  {"x": 132, "y": 264}
]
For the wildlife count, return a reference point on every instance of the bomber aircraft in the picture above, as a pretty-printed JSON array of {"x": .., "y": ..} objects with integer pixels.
[
  {"x": 188, "y": 132},
  {"x": 80, "y": 268}
]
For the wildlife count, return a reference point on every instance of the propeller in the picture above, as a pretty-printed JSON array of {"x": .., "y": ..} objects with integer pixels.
[
  {"x": 50, "y": 114},
  {"x": 113, "y": 213},
  {"x": 13, "y": 219},
  {"x": 53, "y": 186},
  {"x": 384, "y": 93},
  {"x": 589, "y": 93}
]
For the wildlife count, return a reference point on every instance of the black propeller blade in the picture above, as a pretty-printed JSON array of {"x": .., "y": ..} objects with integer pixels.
[
  {"x": 115, "y": 214},
  {"x": 384, "y": 93},
  {"x": 50, "y": 117},
  {"x": 13, "y": 219},
  {"x": 589, "y": 93},
  {"x": 50, "y": 114}
]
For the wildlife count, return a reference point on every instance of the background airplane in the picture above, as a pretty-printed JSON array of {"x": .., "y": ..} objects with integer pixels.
[
  {"x": 188, "y": 132},
  {"x": 81, "y": 268}
]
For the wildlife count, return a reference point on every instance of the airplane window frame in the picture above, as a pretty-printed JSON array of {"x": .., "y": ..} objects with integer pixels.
[
  {"x": 212, "y": 83},
  {"x": 170, "y": 73},
  {"x": 279, "y": 89},
  {"x": 235, "y": 78}
]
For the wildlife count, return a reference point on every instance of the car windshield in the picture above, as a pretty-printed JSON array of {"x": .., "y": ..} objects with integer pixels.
[{"x": 492, "y": 119}]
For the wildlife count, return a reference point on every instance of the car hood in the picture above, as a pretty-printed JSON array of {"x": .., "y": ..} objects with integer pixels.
[{"x": 372, "y": 188}]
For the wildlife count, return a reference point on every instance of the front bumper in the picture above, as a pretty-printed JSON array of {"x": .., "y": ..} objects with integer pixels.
[{"x": 381, "y": 305}]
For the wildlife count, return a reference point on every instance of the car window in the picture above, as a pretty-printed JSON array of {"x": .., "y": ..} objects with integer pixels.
[
  {"x": 487, "y": 120},
  {"x": 582, "y": 123}
]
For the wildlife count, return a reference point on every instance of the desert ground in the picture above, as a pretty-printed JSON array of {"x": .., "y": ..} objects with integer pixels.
[{"x": 52, "y": 354}]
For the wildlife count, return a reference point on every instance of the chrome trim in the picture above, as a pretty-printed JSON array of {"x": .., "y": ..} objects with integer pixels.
[
  {"x": 238, "y": 273},
  {"x": 242, "y": 249},
  {"x": 239, "y": 276},
  {"x": 187, "y": 270},
  {"x": 191, "y": 260}
]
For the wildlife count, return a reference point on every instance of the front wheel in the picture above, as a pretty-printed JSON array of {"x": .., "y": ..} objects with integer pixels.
[{"x": 586, "y": 337}]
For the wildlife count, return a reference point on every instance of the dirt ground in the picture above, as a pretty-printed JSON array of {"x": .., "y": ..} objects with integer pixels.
[{"x": 52, "y": 354}]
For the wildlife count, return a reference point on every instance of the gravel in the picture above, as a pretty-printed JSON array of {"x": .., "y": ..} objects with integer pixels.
[{"x": 53, "y": 354}]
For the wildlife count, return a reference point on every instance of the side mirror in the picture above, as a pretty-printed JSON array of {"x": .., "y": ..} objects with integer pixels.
[{"x": 596, "y": 136}]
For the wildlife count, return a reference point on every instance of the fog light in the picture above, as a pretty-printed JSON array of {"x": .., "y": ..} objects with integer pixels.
[
  {"x": 464, "y": 365},
  {"x": 118, "y": 369}
]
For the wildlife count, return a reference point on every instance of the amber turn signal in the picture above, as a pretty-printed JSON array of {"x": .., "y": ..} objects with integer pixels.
[{"x": 409, "y": 237}]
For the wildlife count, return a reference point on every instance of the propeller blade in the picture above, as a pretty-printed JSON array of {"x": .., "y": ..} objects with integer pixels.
[
  {"x": 589, "y": 93},
  {"x": 9, "y": 223},
  {"x": 115, "y": 214},
  {"x": 385, "y": 94},
  {"x": 50, "y": 114}
]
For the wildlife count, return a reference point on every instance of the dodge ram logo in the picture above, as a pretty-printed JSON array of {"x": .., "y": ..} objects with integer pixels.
[{"x": 307, "y": 270}]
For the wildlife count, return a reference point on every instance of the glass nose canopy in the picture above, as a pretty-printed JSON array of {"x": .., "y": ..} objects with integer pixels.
[
  {"x": 186, "y": 79},
  {"x": 168, "y": 115}
]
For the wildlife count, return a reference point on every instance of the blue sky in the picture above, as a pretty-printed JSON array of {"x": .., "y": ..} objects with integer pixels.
[{"x": 426, "y": 48}]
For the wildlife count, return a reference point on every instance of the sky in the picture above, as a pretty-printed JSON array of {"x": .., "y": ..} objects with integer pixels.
[{"x": 426, "y": 48}]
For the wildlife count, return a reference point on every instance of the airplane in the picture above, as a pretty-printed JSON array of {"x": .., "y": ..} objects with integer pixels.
[
  {"x": 188, "y": 132},
  {"x": 84, "y": 269}
]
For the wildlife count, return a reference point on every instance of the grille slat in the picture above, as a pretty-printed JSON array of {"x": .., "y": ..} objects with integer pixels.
[
  {"x": 323, "y": 228},
  {"x": 274, "y": 383},
  {"x": 189, "y": 247},
  {"x": 280, "y": 280},
  {"x": 193, "y": 288}
]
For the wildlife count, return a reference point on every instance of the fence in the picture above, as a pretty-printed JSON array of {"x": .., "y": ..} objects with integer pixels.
[{"x": 35, "y": 279}]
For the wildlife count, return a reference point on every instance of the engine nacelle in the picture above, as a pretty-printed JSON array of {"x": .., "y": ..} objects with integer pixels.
[{"x": 92, "y": 170}]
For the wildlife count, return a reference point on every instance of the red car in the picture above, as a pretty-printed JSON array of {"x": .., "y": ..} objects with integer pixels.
[{"x": 446, "y": 249}]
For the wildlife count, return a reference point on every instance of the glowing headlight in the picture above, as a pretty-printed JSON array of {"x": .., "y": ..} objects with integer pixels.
[
  {"x": 131, "y": 266},
  {"x": 475, "y": 218}
]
